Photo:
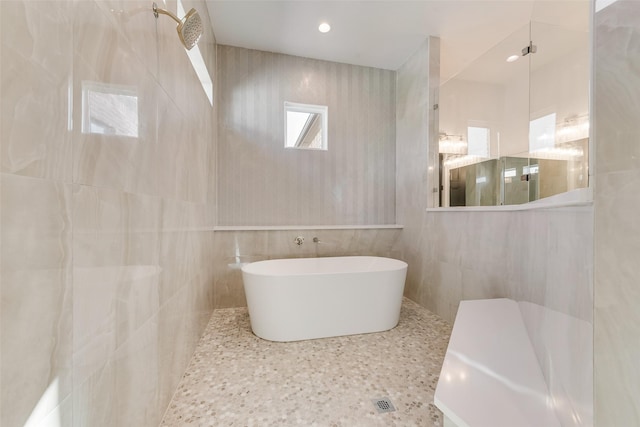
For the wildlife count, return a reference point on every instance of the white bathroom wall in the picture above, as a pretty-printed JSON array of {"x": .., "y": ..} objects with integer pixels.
[
  {"x": 262, "y": 183},
  {"x": 617, "y": 203},
  {"x": 106, "y": 276}
]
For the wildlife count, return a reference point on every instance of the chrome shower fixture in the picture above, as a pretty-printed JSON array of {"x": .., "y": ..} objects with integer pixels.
[{"x": 189, "y": 28}]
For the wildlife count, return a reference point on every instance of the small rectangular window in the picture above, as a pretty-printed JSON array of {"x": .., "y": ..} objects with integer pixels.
[
  {"x": 109, "y": 109},
  {"x": 305, "y": 126},
  {"x": 478, "y": 142},
  {"x": 542, "y": 133}
]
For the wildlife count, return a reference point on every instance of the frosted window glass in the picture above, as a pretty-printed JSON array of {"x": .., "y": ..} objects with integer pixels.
[
  {"x": 542, "y": 133},
  {"x": 478, "y": 141}
]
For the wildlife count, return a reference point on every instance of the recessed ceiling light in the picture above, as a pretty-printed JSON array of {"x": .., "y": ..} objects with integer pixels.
[
  {"x": 513, "y": 58},
  {"x": 324, "y": 27}
]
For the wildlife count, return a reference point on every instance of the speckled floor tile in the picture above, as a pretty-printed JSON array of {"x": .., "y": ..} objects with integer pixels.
[{"x": 238, "y": 379}]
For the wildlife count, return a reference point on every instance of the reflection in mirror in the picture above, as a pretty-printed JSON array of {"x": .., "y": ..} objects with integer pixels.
[
  {"x": 514, "y": 128},
  {"x": 109, "y": 109},
  {"x": 305, "y": 126}
]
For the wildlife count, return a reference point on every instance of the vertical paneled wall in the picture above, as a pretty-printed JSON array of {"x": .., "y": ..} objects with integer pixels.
[
  {"x": 107, "y": 183},
  {"x": 617, "y": 223},
  {"x": 262, "y": 183}
]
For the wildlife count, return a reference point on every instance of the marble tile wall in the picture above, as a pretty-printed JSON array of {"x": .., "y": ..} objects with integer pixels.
[
  {"x": 433, "y": 173},
  {"x": 412, "y": 131},
  {"x": 617, "y": 202},
  {"x": 353, "y": 182},
  {"x": 234, "y": 248},
  {"x": 542, "y": 257},
  {"x": 107, "y": 274}
]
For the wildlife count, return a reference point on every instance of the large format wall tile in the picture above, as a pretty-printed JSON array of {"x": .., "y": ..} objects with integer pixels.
[
  {"x": 119, "y": 151},
  {"x": 36, "y": 297},
  {"x": 116, "y": 279},
  {"x": 412, "y": 107},
  {"x": 107, "y": 269},
  {"x": 183, "y": 155},
  {"x": 137, "y": 374},
  {"x": 617, "y": 97},
  {"x": 175, "y": 347},
  {"x": 617, "y": 201},
  {"x": 536, "y": 256},
  {"x": 36, "y": 42},
  {"x": 137, "y": 24}
]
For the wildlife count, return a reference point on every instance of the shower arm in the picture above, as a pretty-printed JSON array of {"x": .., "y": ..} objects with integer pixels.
[{"x": 157, "y": 10}]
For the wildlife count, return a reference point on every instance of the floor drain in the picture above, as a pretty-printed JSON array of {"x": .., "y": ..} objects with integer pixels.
[{"x": 383, "y": 405}]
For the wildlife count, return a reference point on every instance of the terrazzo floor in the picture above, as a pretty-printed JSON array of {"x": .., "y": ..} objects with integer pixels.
[{"x": 238, "y": 379}]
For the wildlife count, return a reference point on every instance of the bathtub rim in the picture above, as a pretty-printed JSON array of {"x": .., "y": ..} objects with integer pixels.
[{"x": 250, "y": 268}]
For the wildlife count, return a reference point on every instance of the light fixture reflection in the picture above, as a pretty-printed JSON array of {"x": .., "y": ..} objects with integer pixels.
[
  {"x": 452, "y": 144},
  {"x": 513, "y": 58},
  {"x": 459, "y": 161},
  {"x": 324, "y": 27}
]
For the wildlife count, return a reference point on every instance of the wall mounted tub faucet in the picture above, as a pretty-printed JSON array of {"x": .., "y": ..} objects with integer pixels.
[{"x": 298, "y": 240}]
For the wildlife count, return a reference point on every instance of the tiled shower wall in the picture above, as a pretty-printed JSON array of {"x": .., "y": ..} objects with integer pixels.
[
  {"x": 543, "y": 257},
  {"x": 107, "y": 276},
  {"x": 262, "y": 183},
  {"x": 617, "y": 203}
]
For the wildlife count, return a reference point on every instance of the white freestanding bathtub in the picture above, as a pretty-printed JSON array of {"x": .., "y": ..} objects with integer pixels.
[{"x": 305, "y": 298}]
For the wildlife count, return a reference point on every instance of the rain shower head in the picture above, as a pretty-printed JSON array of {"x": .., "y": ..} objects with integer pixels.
[{"x": 189, "y": 28}]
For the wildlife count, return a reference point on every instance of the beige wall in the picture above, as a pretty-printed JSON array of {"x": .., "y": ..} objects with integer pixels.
[
  {"x": 107, "y": 270},
  {"x": 233, "y": 248},
  {"x": 543, "y": 257},
  {"x": 617, "y": 224},
  {"x": 106, "y": 275},
  {"x": 412, "y": 135},
  {"x": 262, "y": 183}
]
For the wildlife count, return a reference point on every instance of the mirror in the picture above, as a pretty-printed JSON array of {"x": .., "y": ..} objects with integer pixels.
[
  {"x": 514, "y": 125},
  {"x": 305, "y": 126}
]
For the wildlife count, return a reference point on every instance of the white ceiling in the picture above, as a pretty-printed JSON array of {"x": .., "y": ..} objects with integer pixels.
[{"x": 383, "y": 33}]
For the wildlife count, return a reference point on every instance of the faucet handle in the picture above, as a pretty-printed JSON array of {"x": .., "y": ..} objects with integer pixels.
[{"x": 298, "y": 240}]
